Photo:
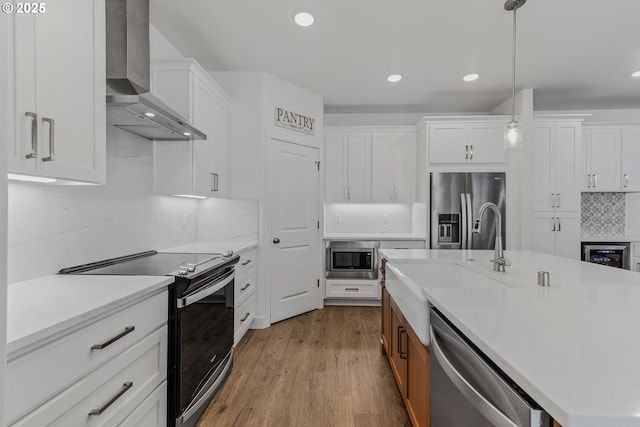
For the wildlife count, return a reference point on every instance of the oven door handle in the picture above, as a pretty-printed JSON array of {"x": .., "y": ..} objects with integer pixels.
[{"x": 203, "y": 293}]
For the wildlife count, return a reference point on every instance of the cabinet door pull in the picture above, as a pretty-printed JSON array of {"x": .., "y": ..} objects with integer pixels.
[
  {"x": 554, "y": 224},
  {"x": 557, "y": 200},
  {"x": 245, "y": 317},
  {"x": 398, "y": 343},
  {"x": 52, "y": 139},
  {"x": 595, "y": 180},
  {"x": 352, "y": 289},
  {"x": 34, "y": 135},
  {"x": 246, "y": 262},
  {"x": 589, "y": 180},
  {"x": 127, "y": 331},
  {"x": 626, "y": 180},
  {"x": 471, "y": 152},
  {"x": 559, "y": 224},
  {"x": 214, "y": 182},
  {"x": 245, "y": 287},
  {"x": 553, "y": 200},
  {"x": 402, "y": 353},
  {"x": 125, "y": 388},
  {"x": 466, "y": 152}
]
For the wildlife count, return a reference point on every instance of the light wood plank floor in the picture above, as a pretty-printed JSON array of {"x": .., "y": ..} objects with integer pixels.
[{"x": 323, "y": 368}]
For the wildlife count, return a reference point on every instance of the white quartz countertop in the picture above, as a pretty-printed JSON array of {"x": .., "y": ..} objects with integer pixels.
[
  {"x": 373, "y": 236},
  {"x": 42, "y": 308},
  {"x": 214, "y": 246},
  {"x": 572, "y": 347}
]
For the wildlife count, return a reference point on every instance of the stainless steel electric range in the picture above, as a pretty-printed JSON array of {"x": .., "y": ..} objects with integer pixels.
[{"x": 200, "y": 322}]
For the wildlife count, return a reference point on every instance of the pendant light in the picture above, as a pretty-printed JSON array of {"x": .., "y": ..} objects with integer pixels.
[{"x": 512, "y": 131}]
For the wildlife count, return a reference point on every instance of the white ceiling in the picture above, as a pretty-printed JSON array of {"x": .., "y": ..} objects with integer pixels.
[{"x": 575, "y": 54}]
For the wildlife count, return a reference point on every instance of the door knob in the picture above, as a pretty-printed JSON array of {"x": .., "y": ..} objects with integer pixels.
[{"x": 276, "y": 240}]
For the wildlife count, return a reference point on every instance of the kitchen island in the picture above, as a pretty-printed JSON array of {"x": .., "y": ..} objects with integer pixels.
[{"x": 570, "y": 346}]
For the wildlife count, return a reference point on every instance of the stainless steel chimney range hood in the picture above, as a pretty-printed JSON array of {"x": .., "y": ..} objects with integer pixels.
[{"x": 130, "y": 106}]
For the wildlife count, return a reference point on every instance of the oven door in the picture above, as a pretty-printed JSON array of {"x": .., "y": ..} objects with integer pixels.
[{"x": 205, "y": 336}]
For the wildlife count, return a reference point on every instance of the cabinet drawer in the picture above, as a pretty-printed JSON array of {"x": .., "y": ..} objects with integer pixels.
[
  {"x": 152, "y": 412},
  {"x": 244, "y": 315},
  {"x": 41, "y": 374},
  {"x": 247, "y": 260},
  {"x": 244, "y": 285},
  {"x": 635, "y": 264},
  {"x": 125, "y": 381},
  {"x": 352, "y": 289}
]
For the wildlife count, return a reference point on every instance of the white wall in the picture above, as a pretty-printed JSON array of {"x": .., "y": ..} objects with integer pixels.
[{"x": 51, "y": 227}]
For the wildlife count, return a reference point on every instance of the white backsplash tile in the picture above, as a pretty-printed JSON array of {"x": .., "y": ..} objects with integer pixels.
[
  {"x": 603, "y": 216},
  {"x": 51, "y": 227},
  {"x": 367, "y": 218}
]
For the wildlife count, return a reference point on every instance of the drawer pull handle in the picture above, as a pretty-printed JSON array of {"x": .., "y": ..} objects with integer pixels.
[
  {"x": 247, "y": 261},
  {"x": 125, "y": 387},
  {"x": 246, "y": 316},
  {"x": 352, "y": 289},
  {"x": 245, "y": 287},
  {"x": 127, "y": 331}
]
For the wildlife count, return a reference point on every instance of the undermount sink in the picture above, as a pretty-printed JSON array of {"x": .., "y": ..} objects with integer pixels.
[{"x": 405, "y": 283}]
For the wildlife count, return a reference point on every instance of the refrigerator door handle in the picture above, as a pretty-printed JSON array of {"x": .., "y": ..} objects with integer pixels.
[
  {"x": 469, "y": 221},
  {"x": 463, "y": 214}
]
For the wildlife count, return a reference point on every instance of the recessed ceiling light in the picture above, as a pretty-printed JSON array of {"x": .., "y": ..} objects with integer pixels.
[
  {"x": 636, "y": 74},
  {"x": 471, "y": 77},
  {"x": 394, "y": 78},
  {"x": 150, "y": 114},
  {"x": 304, "y": 18}
]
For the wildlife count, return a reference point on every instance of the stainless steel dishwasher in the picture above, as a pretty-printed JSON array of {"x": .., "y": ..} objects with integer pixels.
[{"x": 468, "y": 390}]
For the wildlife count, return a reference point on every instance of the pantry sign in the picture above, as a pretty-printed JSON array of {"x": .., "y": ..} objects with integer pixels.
[{"x": 290, "y": 120}]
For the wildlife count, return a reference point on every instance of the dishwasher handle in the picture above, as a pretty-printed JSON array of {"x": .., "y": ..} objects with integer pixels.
[{"x": 486, "y": 408}]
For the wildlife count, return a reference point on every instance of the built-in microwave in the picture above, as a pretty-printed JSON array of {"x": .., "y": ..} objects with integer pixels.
[
  {"x": 615, "y": 254},
  {"x": 352, "y": 260}
]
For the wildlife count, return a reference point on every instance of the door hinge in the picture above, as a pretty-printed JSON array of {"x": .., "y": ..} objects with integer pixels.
[
  {"x": 318, "y": 282},
  {"x": 318, "y": 165}
]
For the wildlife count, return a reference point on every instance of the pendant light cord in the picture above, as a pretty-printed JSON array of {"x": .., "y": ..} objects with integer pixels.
[{"x": 513, "y": 80}]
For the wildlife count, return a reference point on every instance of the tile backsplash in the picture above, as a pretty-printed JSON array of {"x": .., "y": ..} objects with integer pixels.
[{"x": 603, "y": 215}]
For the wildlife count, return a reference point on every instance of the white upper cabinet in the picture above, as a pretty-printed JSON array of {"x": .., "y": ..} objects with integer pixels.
[
  {"x": 464, "y": 143},
  {"x": 601, "y": 147},
  {"x": 630, "y": 165},
  {"x": 197, "y": 168},
  {"x": 347, "y": 167},
  {"x": 610, "y": 158},
  {"x": 556, "y": 156},
  {"x": 60, "y": 115},
  {"x": 393, "y": 167}
]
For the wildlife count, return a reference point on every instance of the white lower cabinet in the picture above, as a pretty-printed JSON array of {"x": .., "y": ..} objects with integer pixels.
[
  {"x": 244, "y": 294},
  {"x": 556, "y": 234},
  {"x": 96, "y": 375},
  {"x": 356, "y": 288},
  {"x": 635, "y": 256}
]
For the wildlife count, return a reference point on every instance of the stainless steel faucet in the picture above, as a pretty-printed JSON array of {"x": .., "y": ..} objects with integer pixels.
[{"x": 499, "y": 261}]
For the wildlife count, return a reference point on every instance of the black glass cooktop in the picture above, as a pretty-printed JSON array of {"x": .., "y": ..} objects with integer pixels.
[{"x": 150, "y": 263}]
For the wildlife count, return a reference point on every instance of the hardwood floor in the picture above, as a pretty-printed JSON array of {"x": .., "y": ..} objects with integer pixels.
[{"x": 323, "y": 368}]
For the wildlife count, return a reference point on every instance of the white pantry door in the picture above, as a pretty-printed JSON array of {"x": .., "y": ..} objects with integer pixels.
[{"x": 294, "y": 259}]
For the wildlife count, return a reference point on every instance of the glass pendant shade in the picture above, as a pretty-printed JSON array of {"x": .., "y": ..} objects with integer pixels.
[{"x": 512, "y": 135}]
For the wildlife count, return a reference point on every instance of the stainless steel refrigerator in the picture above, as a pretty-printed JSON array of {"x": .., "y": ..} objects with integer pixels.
[{"x": 456, "y": 198}]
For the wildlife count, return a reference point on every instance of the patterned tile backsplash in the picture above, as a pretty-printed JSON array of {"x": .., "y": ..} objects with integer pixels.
[{"x": 602, "y": 215}]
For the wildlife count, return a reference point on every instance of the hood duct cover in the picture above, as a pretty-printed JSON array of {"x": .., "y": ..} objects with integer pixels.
[{"x": 130, "y": 106}]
